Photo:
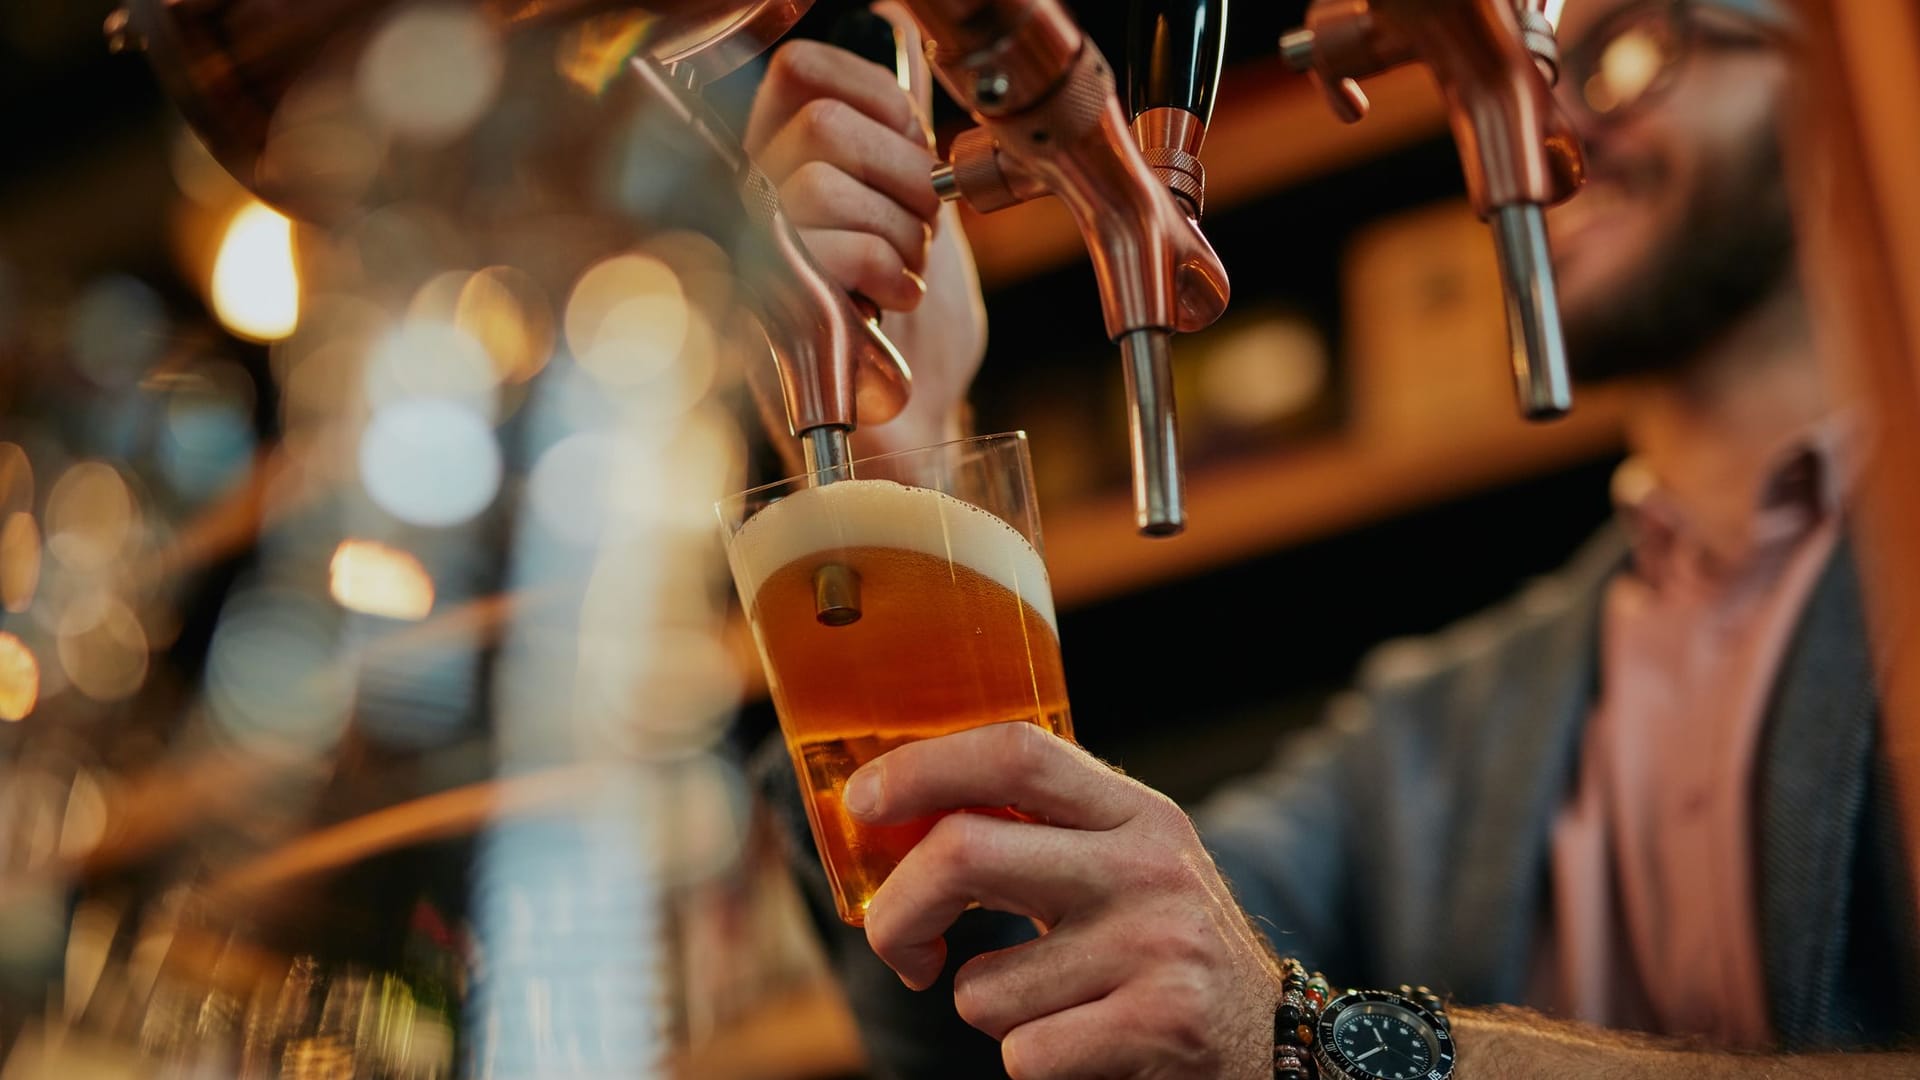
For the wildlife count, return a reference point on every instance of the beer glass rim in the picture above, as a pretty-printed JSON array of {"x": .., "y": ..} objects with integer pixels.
[{"x": 1018, "y": 435}]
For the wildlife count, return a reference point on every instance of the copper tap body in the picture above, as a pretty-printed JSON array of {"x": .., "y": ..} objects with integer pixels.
[
  {"x": 1051, "y": 123},
  {"x": 1494, "y": 64},
  {"x": 836, "y": 368}
]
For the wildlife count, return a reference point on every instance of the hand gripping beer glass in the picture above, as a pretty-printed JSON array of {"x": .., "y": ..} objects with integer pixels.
[{"x": 907, "y": 602}]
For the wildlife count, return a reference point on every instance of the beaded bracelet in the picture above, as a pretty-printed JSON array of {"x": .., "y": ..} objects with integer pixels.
[{"x": 1302, "y": 996}]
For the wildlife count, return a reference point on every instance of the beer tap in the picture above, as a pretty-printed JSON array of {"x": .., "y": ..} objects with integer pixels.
[
  {"x": 835, "y": 365},
  {"x": 1050, "y": 122},
  {"x": 1496, "y": 62}
]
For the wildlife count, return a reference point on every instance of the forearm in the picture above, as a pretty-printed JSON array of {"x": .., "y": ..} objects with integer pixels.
[{"x": 1512, "y": 1044}]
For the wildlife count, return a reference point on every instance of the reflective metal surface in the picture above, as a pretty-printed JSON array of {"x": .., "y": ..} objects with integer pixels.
[
  {"x": 1051, "y": 122},
  {"x": 1153, "y": 433},
  {"x": 1495, "y": 61},
  {"x": 1539, "y": 352}
]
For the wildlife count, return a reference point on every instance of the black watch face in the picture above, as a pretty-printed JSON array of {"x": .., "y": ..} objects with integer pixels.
[{"x": 1383, "y": 1036}]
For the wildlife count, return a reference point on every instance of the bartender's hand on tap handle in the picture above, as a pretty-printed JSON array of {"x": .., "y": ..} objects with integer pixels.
[{"x": 850, "y": 153}]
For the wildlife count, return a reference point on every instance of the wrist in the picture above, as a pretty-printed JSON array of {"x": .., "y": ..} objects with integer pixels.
[
  {"x": 1300, "y": 997},
  {"x": 1324, "y": 1033},
  {"x": 1508, "y": 1043}
]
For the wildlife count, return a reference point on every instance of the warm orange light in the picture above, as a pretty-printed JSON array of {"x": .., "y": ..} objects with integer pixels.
[
  {"x": 627, "y": 319},
  {"x": 90, "y": 516},
  {"x": 370, "y": 577},
  {"x": 19, "y": 678},
  {"x": 598, "y": 49},
  {"x": 507, "y": 313},
  {"x": 103, "y": 647},
  {"x": 19, "y": 561},
  {"x": 256, "y": 287},
  {"x": 16, "y": 478}
]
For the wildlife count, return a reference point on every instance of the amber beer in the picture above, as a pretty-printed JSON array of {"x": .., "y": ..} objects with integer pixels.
[{"x": 956, "y": 629}]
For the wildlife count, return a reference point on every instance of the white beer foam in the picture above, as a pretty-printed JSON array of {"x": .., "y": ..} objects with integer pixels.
[{"x": 882, "y": 513}]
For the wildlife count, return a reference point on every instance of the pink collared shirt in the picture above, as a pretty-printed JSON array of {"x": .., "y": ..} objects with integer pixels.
[{"x": 1654, "y": 920}]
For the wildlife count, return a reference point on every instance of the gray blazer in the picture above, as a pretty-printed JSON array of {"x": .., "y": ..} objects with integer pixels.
[{"x": 1406, "y": 838}]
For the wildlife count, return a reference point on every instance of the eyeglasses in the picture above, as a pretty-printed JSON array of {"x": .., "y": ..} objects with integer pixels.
[{"x": 1634, "y": 57}]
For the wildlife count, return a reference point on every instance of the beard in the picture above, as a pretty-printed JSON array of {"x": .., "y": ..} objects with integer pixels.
[{"x": 1734, "y": 250}]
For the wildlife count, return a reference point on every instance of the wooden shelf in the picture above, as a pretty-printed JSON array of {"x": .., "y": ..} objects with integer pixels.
[
  {"x": 1243, "y": 509},
  {"x": 1270, "y": 129}
]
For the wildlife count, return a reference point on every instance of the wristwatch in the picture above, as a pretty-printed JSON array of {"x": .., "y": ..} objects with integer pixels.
[{"x": 1384, "y": 1035}]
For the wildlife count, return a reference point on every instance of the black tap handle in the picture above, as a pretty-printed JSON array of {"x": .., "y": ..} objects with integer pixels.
[{"x": 1174, "y": 50}]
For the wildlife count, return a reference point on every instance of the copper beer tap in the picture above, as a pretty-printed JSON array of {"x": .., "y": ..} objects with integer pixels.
[
  {"x": 836, "y": 367},
  {"x": 1050, "y": 122},
  {"x": 1496, "y": 62}
]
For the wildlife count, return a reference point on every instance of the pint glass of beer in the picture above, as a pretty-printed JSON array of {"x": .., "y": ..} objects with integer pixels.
[{"x": 906, "y": 602}]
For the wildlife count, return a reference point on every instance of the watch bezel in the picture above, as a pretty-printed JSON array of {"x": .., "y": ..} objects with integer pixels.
[{"x": 1334, "y": 1062}]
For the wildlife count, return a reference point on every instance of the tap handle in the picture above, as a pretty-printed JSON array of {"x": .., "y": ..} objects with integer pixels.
[{"x": 1174, "y": 52}]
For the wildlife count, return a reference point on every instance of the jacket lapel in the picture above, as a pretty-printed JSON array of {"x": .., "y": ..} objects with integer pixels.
[
  {"x": 1536, "y": 715},
  {"x": 1809, "y": 794}
]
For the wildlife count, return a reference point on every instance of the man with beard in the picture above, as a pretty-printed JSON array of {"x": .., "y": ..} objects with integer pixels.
[{"x": 1644, "y": 799}]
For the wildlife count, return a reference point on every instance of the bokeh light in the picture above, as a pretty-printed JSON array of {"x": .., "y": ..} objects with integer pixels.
[
  {"x": 1264, "y": 371},
  {"x": 1629, "y": 65},
  {"x": 627, "y": 319},
  {"x": 117, "y": 329},
  {"x": 507, "y": 313},
  {"x": 598, "y": 486},
  {"x": 271, "y": 671},
  {"x": 85, "y": 821},
  {"x": 430, "y": 72},
  {"x": 709, "y": 460},
  {"x": 90, "y": 515},
  {"x": 19, "y": 678},
  {"x": 429, "y": 462},
  {"x": 207, "y": 441},
  {"x": 429, "y": 358},
  {"x": 375, "y": 579},
  {"x": 256, "y": 286},
  {"x": 102, "y": 647},
  {"x": 16, "y": 479},
  {"x": 19, "y": 561},
  {"x": 566, "y": 486}
]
